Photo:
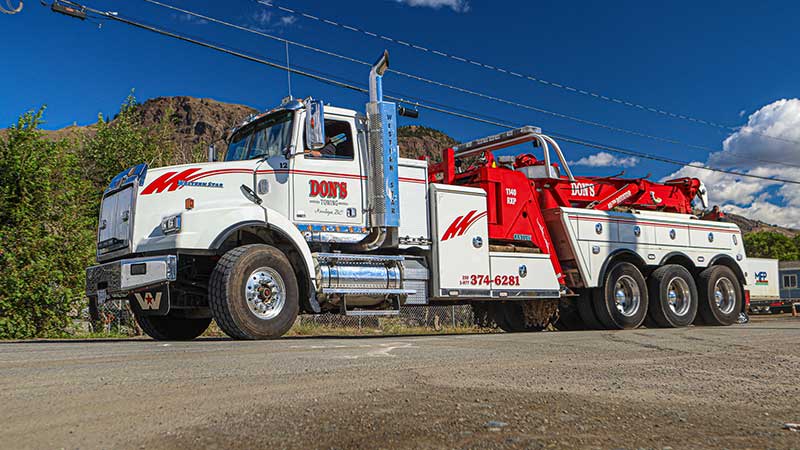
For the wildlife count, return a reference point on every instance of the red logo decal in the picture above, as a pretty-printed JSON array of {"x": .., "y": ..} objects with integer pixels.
[
  {"x": 462, "y": 224},
  {"x": 170, "y": 181},
  {"x": 327, "y": 189}
]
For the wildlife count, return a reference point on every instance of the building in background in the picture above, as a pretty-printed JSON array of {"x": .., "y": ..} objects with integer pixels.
[{"x": 790, "y": 280}]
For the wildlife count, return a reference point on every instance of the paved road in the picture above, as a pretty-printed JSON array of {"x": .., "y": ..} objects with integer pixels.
[{"x": 691, "y": 388}]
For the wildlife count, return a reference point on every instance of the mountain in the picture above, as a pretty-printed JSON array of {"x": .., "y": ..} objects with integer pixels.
[
  {"x": 198, "y": 121},
  {"x": 756, "y": 226}
]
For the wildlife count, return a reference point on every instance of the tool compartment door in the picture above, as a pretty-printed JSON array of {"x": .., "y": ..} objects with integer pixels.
[
  {"x": 523, "y": 275},
  {"x": 460, "y": 242}
]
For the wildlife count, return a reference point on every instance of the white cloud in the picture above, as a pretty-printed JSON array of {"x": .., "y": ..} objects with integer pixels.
[
  {"x": 788, "y": 216},
  {"x": 455, "y": 5},
  {"x": 769, "y": 138},
  {"x": 604, "y": 159},
  {"x": 766, "y": 146}
]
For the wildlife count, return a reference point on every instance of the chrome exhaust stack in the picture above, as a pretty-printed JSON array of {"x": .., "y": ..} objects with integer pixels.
[{"x": 383, "y": 179}]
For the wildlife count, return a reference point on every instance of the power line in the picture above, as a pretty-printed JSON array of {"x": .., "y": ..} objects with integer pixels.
[
  {"x": 510, "y": 72},
  {"x": 457, "y": 88},
  {"x": 441, "y": 109}
]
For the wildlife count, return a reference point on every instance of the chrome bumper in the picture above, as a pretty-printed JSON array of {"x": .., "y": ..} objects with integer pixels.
[{"x": 125, "y": 276}]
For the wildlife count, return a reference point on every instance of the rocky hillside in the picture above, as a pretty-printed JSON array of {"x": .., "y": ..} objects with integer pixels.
[
  {"x": 417, "y": 141},
  {"x": 199, "y": 121},
  {"x": 754, "y": 226}
]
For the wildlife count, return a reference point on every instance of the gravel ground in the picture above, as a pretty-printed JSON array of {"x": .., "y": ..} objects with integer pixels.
[{"x": 730, "y": 387}]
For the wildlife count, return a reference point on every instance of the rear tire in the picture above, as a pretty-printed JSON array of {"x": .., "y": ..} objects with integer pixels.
[
  {"x": 586, "y": 312},
  {"x": 253, "y": 293},
  {"x": 166, "y": 328},
  {"x": 673, "y": 297},
  {"x": 510, "y": 317},
  {"x": 720, "y": 296},
  {"x": 621, "y": 302},
  {"x": 569, "y": 319}
]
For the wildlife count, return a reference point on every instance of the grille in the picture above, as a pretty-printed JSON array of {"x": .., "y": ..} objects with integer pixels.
[{"x": 116, "y": 221}]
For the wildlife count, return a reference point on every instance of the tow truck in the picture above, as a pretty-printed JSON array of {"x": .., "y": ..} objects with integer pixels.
[{"x": 311, "y": 210}]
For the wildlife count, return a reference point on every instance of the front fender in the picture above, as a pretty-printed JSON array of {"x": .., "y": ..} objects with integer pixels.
[
  {"x": 276, "y": 223},
  {"x": 281, "y": 224}
]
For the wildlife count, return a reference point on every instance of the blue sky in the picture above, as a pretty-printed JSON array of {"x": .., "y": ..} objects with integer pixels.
[{"x": 720, "y": 61}]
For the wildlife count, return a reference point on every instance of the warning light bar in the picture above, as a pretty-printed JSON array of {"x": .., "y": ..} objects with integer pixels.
[{"x": 497, "y": 141}]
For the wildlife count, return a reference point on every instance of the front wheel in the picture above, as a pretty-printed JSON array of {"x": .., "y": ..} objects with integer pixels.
[
  {"x": 253, "y": 293},
  {"x": 720, "y": 296},
  {"x": 168, "y": 328}
]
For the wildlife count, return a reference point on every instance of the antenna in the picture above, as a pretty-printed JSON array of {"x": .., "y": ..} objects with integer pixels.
[{"x": 288, "y": 71}]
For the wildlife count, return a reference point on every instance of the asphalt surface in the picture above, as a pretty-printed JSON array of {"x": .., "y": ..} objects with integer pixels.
[{"x": 730, "y": 387}]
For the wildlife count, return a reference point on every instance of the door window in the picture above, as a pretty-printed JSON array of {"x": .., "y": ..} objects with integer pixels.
[{"x": 338, "y": 141}]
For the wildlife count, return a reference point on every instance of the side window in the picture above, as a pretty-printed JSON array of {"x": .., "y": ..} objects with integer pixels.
[
  {"x": 790, "y": 281},
  {"x": 338, "y": 141}
]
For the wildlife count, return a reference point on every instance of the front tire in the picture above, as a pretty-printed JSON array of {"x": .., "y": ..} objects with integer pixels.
[
  {"x": 253, "y": 293},
  {"x": 673, "y": 297},
  {"x": 621, "y": 303},
  {"x": 167, "y": 328},
  {"x": 720, "y": 296}
]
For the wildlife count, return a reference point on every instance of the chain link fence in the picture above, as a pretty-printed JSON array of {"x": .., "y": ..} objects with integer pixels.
[{"x": 434, "y": 317}]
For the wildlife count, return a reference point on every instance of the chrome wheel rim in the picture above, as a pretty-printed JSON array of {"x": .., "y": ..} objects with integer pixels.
[
  {"x": 627, "y": 296},
  {"x": 679, "y": 296},
  {"x": 724, "y": 295},
  {"x": 265, "y": 293}
]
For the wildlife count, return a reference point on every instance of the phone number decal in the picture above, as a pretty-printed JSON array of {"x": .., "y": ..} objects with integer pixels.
[{"x": 499, "y": 280}]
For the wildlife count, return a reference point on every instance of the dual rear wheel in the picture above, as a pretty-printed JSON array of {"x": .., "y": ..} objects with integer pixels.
[{"x": 669, "y": 298}]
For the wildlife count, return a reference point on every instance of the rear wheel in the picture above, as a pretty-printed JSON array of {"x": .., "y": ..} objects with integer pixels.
[
  {"x": 586, "y": 312},
  {"x": 673, "y": 297},
  {"x": 253, "y": 293},
  {"x": 569, "y": 319},
  {"x": 167, "y": 328},
  {"x": 720, "y": 296},
  {"x": 525, "y": 316},
  {"x": 621, "y": 303}
]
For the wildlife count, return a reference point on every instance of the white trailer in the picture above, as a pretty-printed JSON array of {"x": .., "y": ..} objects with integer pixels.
[{"x": 765, "y": 295}]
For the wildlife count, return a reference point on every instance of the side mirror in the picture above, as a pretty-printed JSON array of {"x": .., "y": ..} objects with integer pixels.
[
  {"x": 212, "y": 153},
  {"x": 315, "y": 124}
]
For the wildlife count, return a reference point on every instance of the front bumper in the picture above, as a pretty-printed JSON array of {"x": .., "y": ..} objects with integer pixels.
[{"x": 123, "y": 277}]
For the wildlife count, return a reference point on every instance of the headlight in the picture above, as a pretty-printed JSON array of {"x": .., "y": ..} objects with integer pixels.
[{"x": 171, "y": 224}]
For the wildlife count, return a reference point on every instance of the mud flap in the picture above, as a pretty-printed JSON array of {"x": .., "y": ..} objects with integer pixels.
[{"x": 151, "y": 301}]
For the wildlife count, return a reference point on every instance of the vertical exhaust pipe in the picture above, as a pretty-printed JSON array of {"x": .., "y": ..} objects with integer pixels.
[
  {"x": 383, "y": 184},
  {"x": 384, "y": 153}
]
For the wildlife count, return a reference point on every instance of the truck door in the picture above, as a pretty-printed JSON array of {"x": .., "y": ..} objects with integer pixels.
[{"x": 328, "y": 184}]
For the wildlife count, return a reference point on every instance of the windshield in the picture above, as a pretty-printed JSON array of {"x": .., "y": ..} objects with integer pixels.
[{"x": 269, "y": 137}]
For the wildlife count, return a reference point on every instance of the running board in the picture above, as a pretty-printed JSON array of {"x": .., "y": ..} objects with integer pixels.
[
  {"x": 372, "y": 313},
  {"x": 371, "y": 292}
]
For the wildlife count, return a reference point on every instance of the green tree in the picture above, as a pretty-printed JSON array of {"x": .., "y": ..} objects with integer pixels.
[
  {"x": 768, "y": 244},
  {"x": 46, "y": 231}
]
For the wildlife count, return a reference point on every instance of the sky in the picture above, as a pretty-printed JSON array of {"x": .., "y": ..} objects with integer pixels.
[{"x": 729, "y": 63}]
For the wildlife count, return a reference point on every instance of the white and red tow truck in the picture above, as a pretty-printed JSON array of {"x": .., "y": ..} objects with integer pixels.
[{"x": 311, "y": 210}]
